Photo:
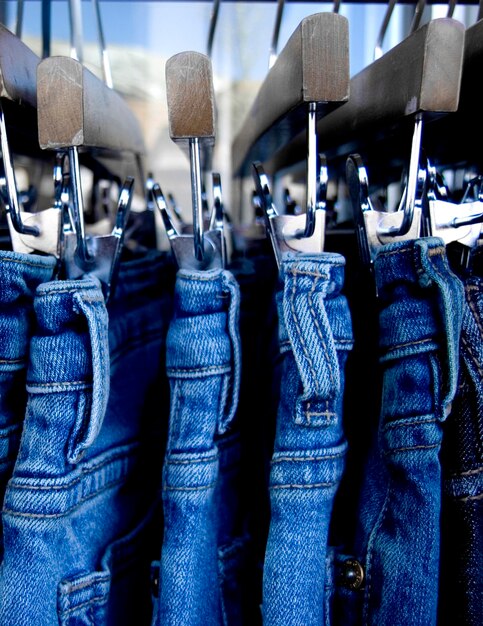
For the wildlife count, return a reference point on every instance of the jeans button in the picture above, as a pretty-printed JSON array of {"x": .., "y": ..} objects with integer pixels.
[{"x": 352, "y": 574}]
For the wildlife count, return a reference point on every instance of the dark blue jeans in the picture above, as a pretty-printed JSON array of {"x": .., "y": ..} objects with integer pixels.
[
  {"x": 81, "y": 513},
  {"x": 461, "y": 592},
  {"x": 315, "y": 334},
  {"x": 390, "y": 574}
]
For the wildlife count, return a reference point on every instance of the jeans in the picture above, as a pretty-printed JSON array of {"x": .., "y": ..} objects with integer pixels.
[
  {"x": 81, "y": 513},
  {"x": 461, "y": 592},
  {"x": 20, "y": 275},
  {"x": 315, "y": 334},
  {"x": 202, "y": 535},
  {"x": 391, "y": 575}
]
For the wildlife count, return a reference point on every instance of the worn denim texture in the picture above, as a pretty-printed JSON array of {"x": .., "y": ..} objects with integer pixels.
[
  {"x": 201, "y": 531},
  {"x": 20, "y": 275},
  {"x": 399, "y": 514},
  {"x": 81, "y": 511},
  {"x": 461, "y": 592},
  {"x": 315, "y": 334}
]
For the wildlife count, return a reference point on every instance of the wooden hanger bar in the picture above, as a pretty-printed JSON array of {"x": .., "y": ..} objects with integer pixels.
[
  {"x": 191, "y": 100},
  {"x": 312, "y": 67},
  {"x": 75, "y": 108},
  {"x": 458, "y": 138},
  {"x": 422, "y": 74},
  {"x": 18, "y": 68}
]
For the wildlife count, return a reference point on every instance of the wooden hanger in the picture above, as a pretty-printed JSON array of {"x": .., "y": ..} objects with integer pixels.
[
  {"x": 457, "y": 139},
  {"x": 419, "y": 76},
  {"x": 75, "y": 108},
  {"x": 313, "y": 67},
  {"x": 79, "y": 114},
  {"x": 192, "y": 124}
]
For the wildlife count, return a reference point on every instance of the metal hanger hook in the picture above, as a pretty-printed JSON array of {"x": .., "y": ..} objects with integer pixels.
[{"x": 9, "y": 184}]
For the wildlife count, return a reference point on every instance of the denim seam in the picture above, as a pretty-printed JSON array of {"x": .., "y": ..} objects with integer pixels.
[
  {"x": 197, "y": 460},
  {"x": 406, "y": 422},
  {"x": 22, "y": 262},
  {"x": 96, "y": 600},
  {"x": 220, "y": 369},
  {"x": 8, "y": 361},
  {"x": 470, "y": 472},
  {"x": 122, "y": 454},
  {"x": 410, "y": 448},
  {"x": 300, "y": 486},
  {"x": 106, "y": 487},
  {"x": 200, "y": 277},
  {"x": 369, "y": 555},
  {"x": 307, "y": 458},
  {"x": 329, "y": 414},
  {"x": 472, "y": 498},
  {"x": 410, "y": 343},
  {"x": 199, "y": 488},
  {"x": 87, "y": 583},
  {"x": 45, "y": 294},
  {"x": 59, "y": 386}
]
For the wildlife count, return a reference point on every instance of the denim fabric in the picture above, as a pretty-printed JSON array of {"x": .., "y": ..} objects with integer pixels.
[
  {"x": 81, "y": 511},
  {"x": 315, "y": 334},
  {"x": 461, "y": 592},
  {"x": 200, "y": 469},
  {"x": 20, "y": 274},
  {"x": 392, "y": 575}
]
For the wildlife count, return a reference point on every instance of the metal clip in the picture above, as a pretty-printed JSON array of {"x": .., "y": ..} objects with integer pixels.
[
  {"x": 287, "y": 232},
  {"x": 98, "y": 255},
  {"x": 182, "y": 245},
  {"x": 452, "y": 221},
  {"x": 375, "y": 228}
]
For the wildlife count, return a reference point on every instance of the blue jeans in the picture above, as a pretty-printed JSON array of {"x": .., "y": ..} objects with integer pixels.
[
  {"x": 390, "y": 576},
  {"x": 461, "y": 592},
  {"x": 20, "y": 275},
  {"x": 81, "y": 513},
  {"x": 315, "y": 334},
  {"x": 202, "y": 534}
]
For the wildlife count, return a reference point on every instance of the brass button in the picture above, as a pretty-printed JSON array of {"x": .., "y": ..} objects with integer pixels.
[{"x": 352, "y": 574}]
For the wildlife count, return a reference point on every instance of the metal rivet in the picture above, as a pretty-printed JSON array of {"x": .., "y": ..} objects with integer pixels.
[{"x": 352, "y": 574}]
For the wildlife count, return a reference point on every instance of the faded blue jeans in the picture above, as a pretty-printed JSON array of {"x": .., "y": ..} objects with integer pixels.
[
  {"x": 461, "y": 591},
  {"x": 391, "y": 575},
  {"x": 315, "y": 335},
  {"x": 81, "y": 512},
  {"x": 203, "y": 539},
  {"x": 20, "y": 275}
]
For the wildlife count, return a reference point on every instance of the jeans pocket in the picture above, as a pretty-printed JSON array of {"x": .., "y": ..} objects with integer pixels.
[{"x": 119, "y": 592}]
